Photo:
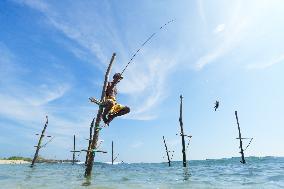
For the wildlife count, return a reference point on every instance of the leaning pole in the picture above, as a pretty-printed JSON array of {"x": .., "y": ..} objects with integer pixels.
[
  {"x": 243, "y": 161},
  {"x": 93, "y": 143},
  {"x": 169, "y": 160},
  {"x": 39, "y": 142}
]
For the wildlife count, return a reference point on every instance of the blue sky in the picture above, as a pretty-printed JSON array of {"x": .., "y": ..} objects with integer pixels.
[{"x": 53, "y": 55}]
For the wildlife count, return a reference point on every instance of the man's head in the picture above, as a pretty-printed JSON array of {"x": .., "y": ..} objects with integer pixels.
[{"x": 117, "y": 77}]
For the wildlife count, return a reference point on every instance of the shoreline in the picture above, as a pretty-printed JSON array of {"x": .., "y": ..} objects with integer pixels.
[{"x": 11, "y": 162}]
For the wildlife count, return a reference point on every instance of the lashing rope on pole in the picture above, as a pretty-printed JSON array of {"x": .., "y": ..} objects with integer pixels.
[
  {"x": 47, "y": 142},
  {"x": 248, "y": 144},
  {"x": 148, "y": 39}
]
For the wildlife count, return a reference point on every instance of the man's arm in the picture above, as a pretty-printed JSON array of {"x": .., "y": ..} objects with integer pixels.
[{"x": 112, "y": 84}]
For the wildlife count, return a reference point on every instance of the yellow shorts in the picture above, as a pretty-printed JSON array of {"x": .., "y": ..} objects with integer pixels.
[{"x": 116, "y": 107}]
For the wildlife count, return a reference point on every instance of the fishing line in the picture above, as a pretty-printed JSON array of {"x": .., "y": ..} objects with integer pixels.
[
  {"x": 47, "y": 143},
  {"x": 248, "y": 143},
  {"x": 148, "y": 39}
]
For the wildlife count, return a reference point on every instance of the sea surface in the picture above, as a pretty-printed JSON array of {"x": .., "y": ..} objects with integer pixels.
[{"x": 266, "y": 173}]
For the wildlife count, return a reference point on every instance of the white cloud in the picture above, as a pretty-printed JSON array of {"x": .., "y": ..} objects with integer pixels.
[
  {"x": 136, "y": 144},
  {"x": 242, "y": 24},
  {"x": 22, "y": 106},
  {"x": 219, "y": 28},
  {"x": 144, "y": 81},
  {"x": 15, "y": 108},
  {"x": 277, "y": 60},
  {"x": 45, "y": 94},
  {"x": 79, "y": 36},
  {"x": 7, "y": 67},
  {"x": 231, "y": 37},
  {"x": 23, "y": 111},
  {"x": 26, "y": 103},
  {"x": 152, "y": 82},
  {"x": 174, "y": 142},
  {"x": 35, "y": 4},
  {"x": 201, "y": 10},
  {"x": 82, "y": 28}
]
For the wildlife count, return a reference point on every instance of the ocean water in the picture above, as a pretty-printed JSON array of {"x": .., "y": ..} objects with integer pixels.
[{"x": 266, "y": 173}]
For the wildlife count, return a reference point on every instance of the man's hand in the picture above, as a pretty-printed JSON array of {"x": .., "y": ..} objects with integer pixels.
[{"x": 95, "y": 101}]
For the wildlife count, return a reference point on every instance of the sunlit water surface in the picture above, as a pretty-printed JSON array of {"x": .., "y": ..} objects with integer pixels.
[{"x": 258, "y": 173}]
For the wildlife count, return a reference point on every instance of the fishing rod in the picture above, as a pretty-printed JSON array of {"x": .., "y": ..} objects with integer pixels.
[{"x": 148, "y": 39}]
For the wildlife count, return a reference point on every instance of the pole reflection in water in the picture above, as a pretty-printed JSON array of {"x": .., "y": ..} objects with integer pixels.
[{"x": 186, "y": 173}]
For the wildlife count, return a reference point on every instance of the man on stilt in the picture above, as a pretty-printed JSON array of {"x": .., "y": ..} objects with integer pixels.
[
  {"x": 111, "y": 108},
  {"x": 216, "y": 105}
]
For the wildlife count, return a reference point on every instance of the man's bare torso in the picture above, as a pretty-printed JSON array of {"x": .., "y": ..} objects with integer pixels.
[{"x": 111, "y": 90}]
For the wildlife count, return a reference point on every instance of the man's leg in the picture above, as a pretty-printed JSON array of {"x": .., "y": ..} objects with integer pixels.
[
  {"x": 108, "y": 106},
  {"x": 124, "y": 110}
]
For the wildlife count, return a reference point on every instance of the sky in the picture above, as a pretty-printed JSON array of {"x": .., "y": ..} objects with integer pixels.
[{"x": 53, "y": 56}]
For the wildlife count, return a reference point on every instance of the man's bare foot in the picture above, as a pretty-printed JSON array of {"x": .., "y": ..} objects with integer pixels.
[
  {"x": 106, "y": 125},
  {"x": 109, "y": 119}
]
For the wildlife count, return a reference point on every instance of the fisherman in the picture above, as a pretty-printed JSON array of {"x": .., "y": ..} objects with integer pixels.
[
  {"x": 111, "y": 108},
  {"x": 216, "y": 105}
]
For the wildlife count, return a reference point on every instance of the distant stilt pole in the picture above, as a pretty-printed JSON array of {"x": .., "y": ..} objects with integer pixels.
[
  {"x": 182, "y": 134},
  {"x": 112, "y": 152},
  {"x": 39, "y": 142},
  {"x": 169, "y": 160},
  {"x": 74, "y": 149},
  {"x": 243, "y": 161}
]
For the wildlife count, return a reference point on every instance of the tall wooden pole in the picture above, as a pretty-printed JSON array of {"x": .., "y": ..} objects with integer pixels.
[
  {"x": 169, "y": 160},
  {"x": 93, "y": 144},
  {"x": 112, "y": 152},
  {"x": 182, "y": 134},
  {"x": 241, "y": 142},
  {"x": 74, "y": 149},
  {"x": 39, "y": 142}
]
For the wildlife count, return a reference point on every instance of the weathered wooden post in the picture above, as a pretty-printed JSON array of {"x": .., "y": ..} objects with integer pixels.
[
  {"x": 182, "y": 134},
  {"x": 39, "y": 142},
  {"x": 169, "y": 160},
  {"x": 93, "y": 143},
  {"x": 241, "y": 142},
  {"x": 112, "y": 152},
  {"x": 74, "y": 150}
]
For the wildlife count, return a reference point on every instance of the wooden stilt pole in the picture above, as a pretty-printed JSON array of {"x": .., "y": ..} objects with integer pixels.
[
  {"x": 243, "y": 161},
  {"x": 112, "y": 152},
  {"x": 39, "y": 142},
  {"x": 169, "y": 160},
  {"x": 182, "y": 134},
  {"x": 93, "y": 144},
  {"x": 74, "y": 149}
]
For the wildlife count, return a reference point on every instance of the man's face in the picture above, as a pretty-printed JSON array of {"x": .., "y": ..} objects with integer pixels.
[{"x": 117, "y": 78}]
